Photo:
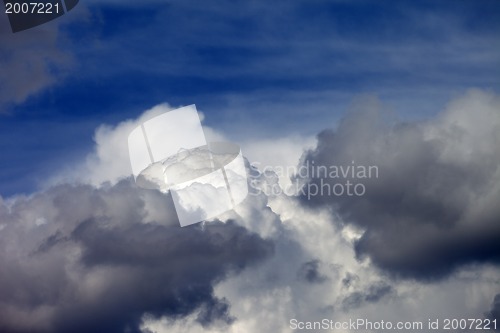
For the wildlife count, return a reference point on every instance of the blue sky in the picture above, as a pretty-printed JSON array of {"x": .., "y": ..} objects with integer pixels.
[{"x": 293, "y": 67}]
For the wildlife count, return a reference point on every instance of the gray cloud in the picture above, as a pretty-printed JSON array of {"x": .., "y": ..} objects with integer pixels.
[
  {"x": 309, "y": 272},
  {"x": 373, "y": 294},
  {"x": 434, "y": 205},
  {"x": 494, "y": 313},
  {"x": 82, "y": 259},
  {"x": 31, "y": 61}
]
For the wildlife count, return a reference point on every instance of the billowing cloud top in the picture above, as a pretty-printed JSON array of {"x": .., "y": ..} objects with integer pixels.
[
  {"x": 107, "y": 256},
  {"x": 433, "y": 205}
]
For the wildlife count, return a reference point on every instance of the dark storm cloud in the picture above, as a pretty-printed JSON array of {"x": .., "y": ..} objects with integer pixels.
[
  {"x": 434, "y": 205},
  {"x": 81, "y": 259},
  {"x": 494, "y": 313}
]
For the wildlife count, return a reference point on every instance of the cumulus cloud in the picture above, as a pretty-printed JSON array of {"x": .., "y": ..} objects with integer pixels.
[
  {"x": 108, "y": 256},
  {"x": 313, "y": 274},
  {"x": 433, "y": 206},
  {"x": 109, "y": 160},
  {"x": 82, "y": 259}
]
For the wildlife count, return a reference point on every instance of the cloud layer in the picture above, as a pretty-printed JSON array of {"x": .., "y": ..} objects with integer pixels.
[
  {"x": 110, "y": 257},
  {"x": 434, "y": 205},
  {"x": 81, "y": 259}
]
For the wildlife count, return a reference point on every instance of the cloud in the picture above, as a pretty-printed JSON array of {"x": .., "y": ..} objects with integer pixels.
[
  {"x": 85, "y": 259},
  {"x": 31, "y": 61},
  {"x": 308, "y": 242},
  {"x": 433, "y": 206},
  {"x": 494, "y": 313},
  {"x": 373, "y": 294},
  {"x": 110, "y": 257},
  {"x": 309, "y": 272},
  {"x": 109, "y": 160}
]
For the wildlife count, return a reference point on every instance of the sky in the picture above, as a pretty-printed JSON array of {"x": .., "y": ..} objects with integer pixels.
[{"x": 409, "y": 87}]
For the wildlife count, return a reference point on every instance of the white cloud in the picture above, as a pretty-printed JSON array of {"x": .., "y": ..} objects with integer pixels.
[
  {"x": 281, "y": 154},
  {"x": 109, "y": 161},
  {"x": 313, "y": 273},
  {"x": 264, "y": 298}
]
